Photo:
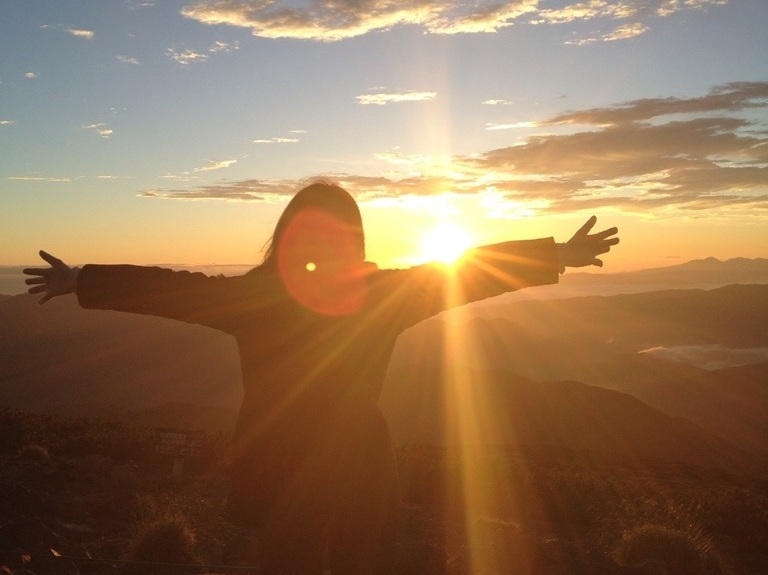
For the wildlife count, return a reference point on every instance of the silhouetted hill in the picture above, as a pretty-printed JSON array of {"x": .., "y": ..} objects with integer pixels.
[
  {"x": 704, "y": 273},
  {"x": 709, "y": 273},
  {"x": 456, "y": 406},
  {"x": 59, "y": 356},
  {"x": 653, "y": 345}
]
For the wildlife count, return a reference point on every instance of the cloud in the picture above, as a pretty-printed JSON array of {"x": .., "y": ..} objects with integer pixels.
[
  {"x": 277, "y": 140},
  {"x": 709, "y": 357},
  {"x": 623, "y": 32},
  {"x": 223, "y": 47},
  {"x": 216, "y": 165},
  {"x": 6, "y": 122},
  {"x": 87, "y": 34},
  {"x": 514, "y": 126},
  {"x": 332, "y": 21},
  {"x": 258, "y": 190},
  {"x": 704, "y": 156},
  {"x": 385, "y": 98},
  {"x": 189, "y": 56},
  {"x": 30, "y": 75},
  {"x": 39, "y": 179},
  {"x": 101, "y": 129},
  {"x": 186, "y": 57},
  {"x": 498, "y": 102},
  {"x": 127, "y": 60},
  {"x": 731, "y": 97}
]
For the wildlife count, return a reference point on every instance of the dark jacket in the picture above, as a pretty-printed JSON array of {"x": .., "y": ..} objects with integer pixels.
[{"x": 311, "y": 380}]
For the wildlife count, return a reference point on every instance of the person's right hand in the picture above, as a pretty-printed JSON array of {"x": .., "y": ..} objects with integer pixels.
[{"x": 59, "y": 279}]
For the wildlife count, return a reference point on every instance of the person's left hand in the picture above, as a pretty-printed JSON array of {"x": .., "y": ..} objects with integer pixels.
[
  {"x": 583, "y": 248},
  {"x": 59, "y": 279}
]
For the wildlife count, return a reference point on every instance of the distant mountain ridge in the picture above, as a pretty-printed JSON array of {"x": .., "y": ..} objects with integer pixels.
[
  {"x": 704, "y": 273},
  {"x": 60, "y": 357},
  {"x": 708, "y": 273}
]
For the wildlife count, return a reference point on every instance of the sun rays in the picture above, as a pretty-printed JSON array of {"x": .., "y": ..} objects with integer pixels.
[{"x": 444, "y": 243}]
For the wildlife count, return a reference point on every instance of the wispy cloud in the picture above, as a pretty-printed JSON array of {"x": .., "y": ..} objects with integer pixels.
[
  {"x": 101, "y": 129},
  {"x": 224, "y": 47},
  {"x": 276, "y": 141},
  {"x": 186, "y": 57},
  {"x": 382, "y": 99},
  {"x": 699, "y": 155},
  {"x": 216, "y": 165},
  {"x": 39, "y": 179},
  {"x": 498, "y": 102},
  {"x": 79, "y": 33},
  {"x": 623, "y": 32},
  {"x": 513, "y": 126},
  {"x": 332, "y": 21},
  {"x": 30, "y": 75},
  {"x": 127, "y": 60},
  {"x": 6, "y": 122},
  {"x": 190, "y": 56},
  {"x": 251, "y": 190}
]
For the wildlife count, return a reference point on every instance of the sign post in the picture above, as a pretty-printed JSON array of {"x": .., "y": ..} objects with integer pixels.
[{"x": 181, "y": 443}]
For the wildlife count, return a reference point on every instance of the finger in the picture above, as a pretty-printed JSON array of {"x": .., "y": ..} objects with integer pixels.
[
  {"x": 36, "y": 280},
  {"x": 45, "y": 298},
  {"x": 588, "y": 225},
  {"x": 54, "y": 261},
  {"x": 35, "y": 271},
  {"x": 605, "y": 233},
  {"x": 37, "y": 289}
]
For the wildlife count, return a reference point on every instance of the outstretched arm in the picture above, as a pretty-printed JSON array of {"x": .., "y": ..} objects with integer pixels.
[
  {"x": 583, "y": 248},
  {"x": 59, "y": 279}
]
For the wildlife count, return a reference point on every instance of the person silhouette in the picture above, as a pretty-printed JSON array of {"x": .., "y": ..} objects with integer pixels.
[{"x": 313, "y": 469}]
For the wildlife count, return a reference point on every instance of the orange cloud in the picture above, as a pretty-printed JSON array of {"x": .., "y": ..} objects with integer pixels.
[{"x": 341, "y": 19}]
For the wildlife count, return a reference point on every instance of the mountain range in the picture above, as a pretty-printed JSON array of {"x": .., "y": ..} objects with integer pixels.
[{"x": 680, "y": 374}]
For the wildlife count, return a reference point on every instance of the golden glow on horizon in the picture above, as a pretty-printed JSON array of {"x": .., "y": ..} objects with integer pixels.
[{"x": 445, "y": 243}]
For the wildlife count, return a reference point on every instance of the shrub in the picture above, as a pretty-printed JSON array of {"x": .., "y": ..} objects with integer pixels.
[
  {"x": 162, "y": 535},
  {"x": 34, "y": 452},
  {"x": 682, "y": 552}
]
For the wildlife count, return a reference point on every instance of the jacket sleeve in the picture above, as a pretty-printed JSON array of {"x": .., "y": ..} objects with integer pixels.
[
  {"x": 417, "y": 293},
  {"x": 181, "y": 295}
]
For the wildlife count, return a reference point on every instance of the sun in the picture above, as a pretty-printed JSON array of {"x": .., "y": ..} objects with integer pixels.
[{"x": 444, "y": 243}]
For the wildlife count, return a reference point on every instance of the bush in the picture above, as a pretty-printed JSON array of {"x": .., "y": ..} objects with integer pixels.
[
  {"x": 162, "y": 535},
  {"x": 34, "y": 453},
  {"x": 682, "y": 552}
]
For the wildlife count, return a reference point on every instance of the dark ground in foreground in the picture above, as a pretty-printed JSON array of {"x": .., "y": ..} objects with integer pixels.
[{"x": 91, "y": 497}]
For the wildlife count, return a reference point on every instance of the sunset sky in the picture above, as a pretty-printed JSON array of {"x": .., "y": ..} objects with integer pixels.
[{"x": 174, "y": 131}]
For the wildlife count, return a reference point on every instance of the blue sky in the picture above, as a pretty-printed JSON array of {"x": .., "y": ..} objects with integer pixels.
[{"x": 174, "y": 131}]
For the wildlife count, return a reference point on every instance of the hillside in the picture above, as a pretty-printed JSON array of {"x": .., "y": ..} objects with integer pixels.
[
  {"x": 62, "y": 358},
  {"x": 643, "y": 344},
  {"x": 494, "y": 407}
]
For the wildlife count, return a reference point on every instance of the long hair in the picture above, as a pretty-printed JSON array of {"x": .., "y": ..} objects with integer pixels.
[{"x": 324, "y": 197}]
